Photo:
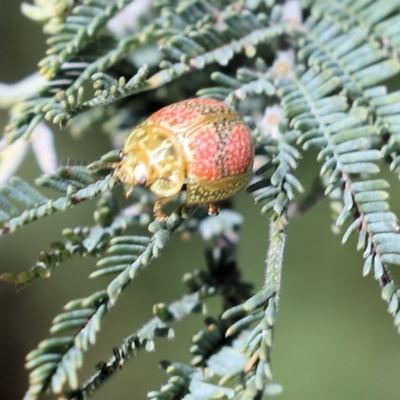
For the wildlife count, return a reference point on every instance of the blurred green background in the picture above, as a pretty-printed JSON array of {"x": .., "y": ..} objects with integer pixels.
[{"x": 334, "y": 338}]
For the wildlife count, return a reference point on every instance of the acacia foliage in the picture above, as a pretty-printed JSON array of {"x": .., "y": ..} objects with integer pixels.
[{"x": 304, "y": 75}]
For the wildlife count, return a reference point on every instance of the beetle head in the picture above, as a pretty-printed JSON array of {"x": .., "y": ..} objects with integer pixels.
[{"x": 135, "y": 169}]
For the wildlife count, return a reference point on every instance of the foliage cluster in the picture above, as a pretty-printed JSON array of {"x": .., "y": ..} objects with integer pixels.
[{"x": 304, "y": 75}]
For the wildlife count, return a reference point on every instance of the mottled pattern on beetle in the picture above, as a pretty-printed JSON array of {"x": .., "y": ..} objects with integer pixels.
[
  {"x": 240, "y": 149},
  {"x": 220, "y": 148},
  {"x": 202, "y": 191},
  {"x": 187, "y": 113},
  {"x": 203, "y": 152}
]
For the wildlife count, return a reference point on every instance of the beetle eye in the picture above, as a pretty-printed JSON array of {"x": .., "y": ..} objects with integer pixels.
[
  {"x": 141, "y": 173},
  {"x": 122, "y": 155}
]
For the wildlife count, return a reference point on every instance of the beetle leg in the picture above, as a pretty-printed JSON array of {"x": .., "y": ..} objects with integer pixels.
[
  {"x": 128, "y": 191},
  {"x": 213, "y": 209},
  {"x": 158, "y": 212}
]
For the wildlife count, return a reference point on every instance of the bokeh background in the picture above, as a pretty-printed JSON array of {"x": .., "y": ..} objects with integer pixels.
[{"x": 334, "y": 338}]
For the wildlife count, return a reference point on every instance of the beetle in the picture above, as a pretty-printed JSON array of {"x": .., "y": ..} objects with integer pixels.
[{"x": 200, "y": 145}]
